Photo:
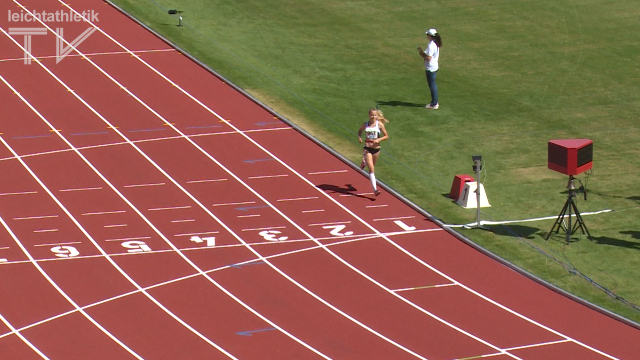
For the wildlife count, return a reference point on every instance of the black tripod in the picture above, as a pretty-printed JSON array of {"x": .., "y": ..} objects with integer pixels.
[{"x": 569, "y": 205}]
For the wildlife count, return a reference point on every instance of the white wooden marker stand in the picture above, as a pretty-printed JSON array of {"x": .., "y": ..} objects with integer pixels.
[{"x": 468, "y": 198}]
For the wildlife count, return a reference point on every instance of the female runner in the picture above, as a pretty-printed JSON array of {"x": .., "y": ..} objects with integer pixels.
[{"x": 373, "y": 130}]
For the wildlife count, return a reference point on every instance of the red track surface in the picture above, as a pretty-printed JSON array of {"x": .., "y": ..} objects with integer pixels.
[{"x": 113, "y": 163}]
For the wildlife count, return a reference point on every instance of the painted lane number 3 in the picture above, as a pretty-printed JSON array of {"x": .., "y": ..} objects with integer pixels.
[{"x": 270, "y": 235}]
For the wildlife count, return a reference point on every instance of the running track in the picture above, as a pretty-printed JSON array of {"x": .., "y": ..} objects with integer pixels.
[{"x": 151, "y": 211}]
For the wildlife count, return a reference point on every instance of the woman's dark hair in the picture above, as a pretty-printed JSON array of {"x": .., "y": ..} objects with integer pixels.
[{"x": 437, "y": 39}]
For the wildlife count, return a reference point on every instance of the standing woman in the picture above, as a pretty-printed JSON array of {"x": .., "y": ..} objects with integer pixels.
[
  {"x": 375, "y": 133},
  {"x": 431, "y": 57}
]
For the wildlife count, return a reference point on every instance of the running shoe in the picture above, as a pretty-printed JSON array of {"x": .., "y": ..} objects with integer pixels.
[{"x": 434, "y": 107}]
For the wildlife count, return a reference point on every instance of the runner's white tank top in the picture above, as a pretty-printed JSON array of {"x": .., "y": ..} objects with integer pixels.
[{"x": 372, "y": 132}]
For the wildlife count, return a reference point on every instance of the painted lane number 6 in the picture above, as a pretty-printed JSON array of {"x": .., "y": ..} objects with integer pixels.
[{"x": 65, "y": 251}]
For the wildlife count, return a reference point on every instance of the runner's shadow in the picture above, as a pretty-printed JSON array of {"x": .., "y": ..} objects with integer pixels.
[
  {"x": 347, "y": 190},
  {"x": 399, "y": 103},
  {"x": 525, "y": 232},
  {"x": 634, "y": 234},
  {"x": 621, "y": 243}
]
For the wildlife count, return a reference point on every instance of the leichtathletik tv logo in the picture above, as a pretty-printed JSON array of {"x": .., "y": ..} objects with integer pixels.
[{"x": 35, "y": 24}]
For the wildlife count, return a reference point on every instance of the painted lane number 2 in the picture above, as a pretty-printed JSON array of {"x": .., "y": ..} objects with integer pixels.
[{"x": 336, "y": 230}]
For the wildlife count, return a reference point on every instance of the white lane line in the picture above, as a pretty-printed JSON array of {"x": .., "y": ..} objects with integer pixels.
[
  {"x": 114, "y": 225},
  {"x": 138, "y": 142},
  {"x": 82, "y": 229},
  {"x": 395, "y": 218},
  {"x": 182, "y": 221},
  {"x": 35, "y": 263},
  {"x": 19, "y": 193},
  {"x": 204, "y": 181},
  {"x": 312, "y": 211},
  {"x": 266, "y": 228},
  {"x": 171, "y": 208},
  {"x": 182, "y": 278},
  {"x": 312, "y": 185},
  {"x": 24, "y": 340},
  {"x": 35, "y": 217},
  {"x": 45, "y": 230},
  {"x": 256, "y": 143},
  {"x": 331, "y": 223},
  {"x": 424, "y": 287},
  {"x": 484, "y": 222},
  {"x": 328, "y": 172},
  {"x": 204, "y": 208},
  {"x": 81, "y": 189},
  {"x": 143, "y": 185},
  {"x": 267, "y": 176},
  {"x": 130, "y": 238},
  {"x": 198, "y": 233},
  {"x": 187, "y": 260},
  {"x": 352, "y": 237},
  {"x": 94, "y": 54},
  {"x": 59, "y": 244},
  {"x": 358, "y": 194},
  {"x": 104, "y": 212},
  {"x": 253, "y": 191},
  {"x": 538, "y": 345},
  {"x": 234, "y": 203},
  {"x": 328, "y": 196},
  {"x": 300, "y": 198}
]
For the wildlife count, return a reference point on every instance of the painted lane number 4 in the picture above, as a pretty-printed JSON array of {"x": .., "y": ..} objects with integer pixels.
[{"x": 211, "y": 240}]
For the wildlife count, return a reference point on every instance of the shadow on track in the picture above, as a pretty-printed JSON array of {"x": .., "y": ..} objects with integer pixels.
[{"x": 347, "y": 190}]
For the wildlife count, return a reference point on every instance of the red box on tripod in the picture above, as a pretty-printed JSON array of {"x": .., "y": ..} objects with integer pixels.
[{"x": 570, "y": 156}]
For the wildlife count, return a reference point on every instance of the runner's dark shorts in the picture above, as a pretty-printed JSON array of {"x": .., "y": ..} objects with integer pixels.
[{"x": 372, "y": 151}]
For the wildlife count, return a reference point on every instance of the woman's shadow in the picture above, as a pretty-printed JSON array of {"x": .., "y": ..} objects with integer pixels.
[
  {"x": 399, "y": 103},
  {"x": 347, "y": 190}
]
